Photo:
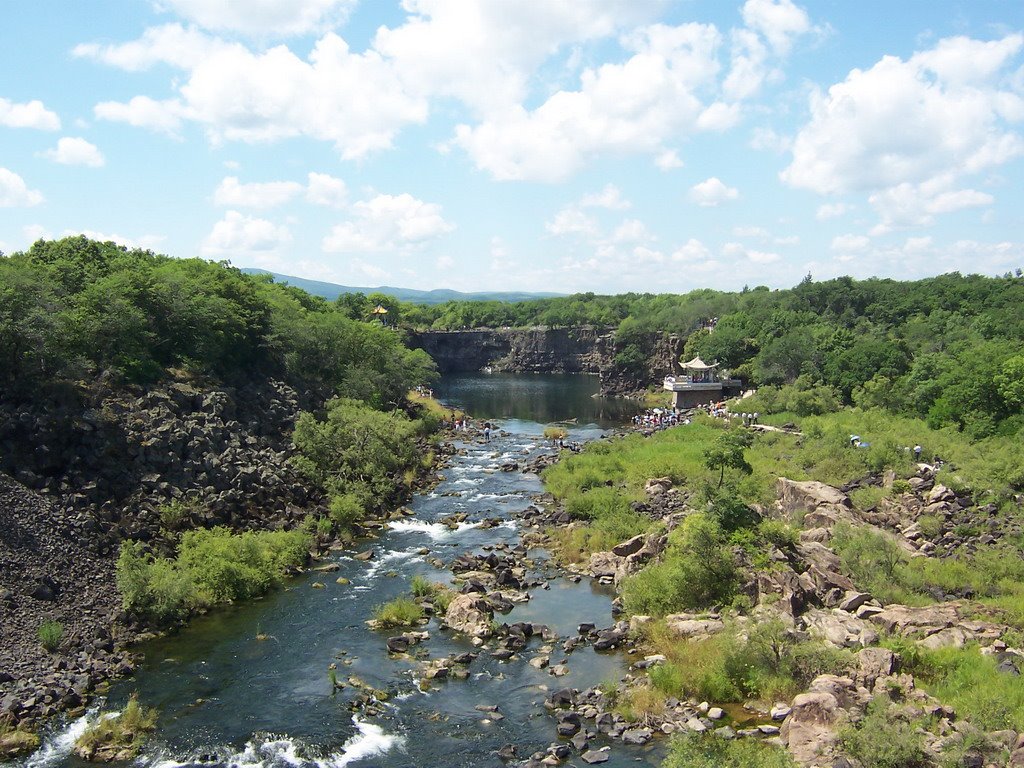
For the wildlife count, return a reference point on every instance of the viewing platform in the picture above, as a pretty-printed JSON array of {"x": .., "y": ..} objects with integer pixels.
[{"x": 700, "y": 385}]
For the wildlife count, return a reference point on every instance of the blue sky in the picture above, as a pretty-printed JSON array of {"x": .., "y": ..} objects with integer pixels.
[{"x": 549, "y": 145}]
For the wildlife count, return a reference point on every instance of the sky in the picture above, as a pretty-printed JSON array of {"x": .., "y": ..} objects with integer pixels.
[{"x": 538, "y": 145}]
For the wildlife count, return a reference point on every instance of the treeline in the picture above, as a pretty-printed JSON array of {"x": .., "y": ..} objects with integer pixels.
[
  {"x": 73, "y": 309},
  {"x": 948, "y": 348}
]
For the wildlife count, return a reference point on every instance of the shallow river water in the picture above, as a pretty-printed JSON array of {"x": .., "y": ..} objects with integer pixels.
[{"x": 227, "y": 698}]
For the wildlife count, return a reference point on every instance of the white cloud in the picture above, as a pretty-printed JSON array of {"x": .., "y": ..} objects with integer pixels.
[
  {"x": 757, "y": 232},
  {"x": 500, "y": 261},
  {"x": 572, "y": 221},
  {"x": 324, "y": 189},
  {"x": 668, "y": 160},
  {"x": 850, "y": 243},
  {"x": 768, "y": 139},
  {"x": 32, "y": 114},
  {"x": 445, "y": 262},
  {"x": 14, "y": 192},
  {"x": 631, "y": 231},
  {"x": 778, "y": 22},
  {"x": 943, "y": 111},
  {"x": 269, "y": 194},
  {"x": 916, "y": 205},
  {"x": 387, "y": 223},
  {"x": 628, "y": 108},
  {"x": 262, "y": 17},
  {"x": 33, "y": 232},
  {"x": 171, "y": 44},
  {"x": 144, "y": 112},
  {"x": 145, "y": 242},
  {"x": 74, "y": 150},
  {"x": 354, "y": 100},
  {"x": 831, "y": 210},
  {"x": 506, "y": 41},
  {"x": 239, "y": 234},
  {"x": 610, "y": 197},
  {"x": 763, "y": 257},
  {"x": 712, "y": 192},
  {"x": 692, "y": 250}
]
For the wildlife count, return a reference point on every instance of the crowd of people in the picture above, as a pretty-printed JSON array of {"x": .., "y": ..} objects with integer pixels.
[{"x": 660, "y": 418}]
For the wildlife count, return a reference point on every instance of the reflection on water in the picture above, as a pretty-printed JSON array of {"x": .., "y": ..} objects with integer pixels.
[{"x": 540, "y": 397}]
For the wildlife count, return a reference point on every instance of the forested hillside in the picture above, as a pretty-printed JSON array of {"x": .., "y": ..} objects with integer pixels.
[
  {"x": 948, "y": 348},
  {"x": 72, "y": 309}
]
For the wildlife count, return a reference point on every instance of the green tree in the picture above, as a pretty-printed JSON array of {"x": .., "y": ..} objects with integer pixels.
[{"x": 727, "y": 453}]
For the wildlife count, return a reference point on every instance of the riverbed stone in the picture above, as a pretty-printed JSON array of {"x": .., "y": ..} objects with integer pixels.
[{"x": 471, "y": 614}]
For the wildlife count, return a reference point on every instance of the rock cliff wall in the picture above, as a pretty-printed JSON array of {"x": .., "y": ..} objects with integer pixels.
[{"x": 548, "y": 350}]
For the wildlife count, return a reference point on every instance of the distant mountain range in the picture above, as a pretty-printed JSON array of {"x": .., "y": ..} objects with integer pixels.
[{"x": 331, "y": 291}]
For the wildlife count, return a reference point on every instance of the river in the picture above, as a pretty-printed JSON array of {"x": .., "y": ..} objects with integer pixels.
[{"x": 227, "y": 697}]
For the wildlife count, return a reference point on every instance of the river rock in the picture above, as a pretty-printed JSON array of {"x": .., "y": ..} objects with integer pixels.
[{"x": 471, "y": 614}]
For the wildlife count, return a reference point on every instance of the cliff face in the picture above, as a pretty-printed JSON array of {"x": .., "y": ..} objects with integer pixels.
[{"x": 547, "y": 350}]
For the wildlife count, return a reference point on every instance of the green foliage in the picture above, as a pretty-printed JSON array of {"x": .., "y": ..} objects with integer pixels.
[
  {"x": 74, "y": 307},
  {"x": 872, "y": 559},
  {"x": 118, "y": 737},
  {"x": 884, "y": 738},
  {"x": 360, "y": 455},
  {"x": 50, "y": 634},
  {"x": 879, "y": 343},
  {"x": 770, "y": 663},
  {"x": 346, "y": 510},
  {"x": 727, "y": 452},
  {"x": 697, "y": 571},
  {"x": 400, "y": 612},
  {"x": 212, "y": 566},
  {"x": 692, "y": 750},
  {"x": 971, "y": 683}
]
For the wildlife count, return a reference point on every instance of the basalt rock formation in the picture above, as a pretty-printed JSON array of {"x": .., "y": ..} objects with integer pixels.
[{"x": 549, "y": 350}]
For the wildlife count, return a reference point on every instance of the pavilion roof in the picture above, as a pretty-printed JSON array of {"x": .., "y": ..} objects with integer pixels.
[{"x": 698, "y": 365}]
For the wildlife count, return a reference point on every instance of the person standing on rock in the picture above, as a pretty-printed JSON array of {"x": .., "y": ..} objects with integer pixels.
[{"x": 487, "y": 431}]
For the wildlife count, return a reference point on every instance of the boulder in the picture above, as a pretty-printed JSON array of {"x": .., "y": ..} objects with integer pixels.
[
  {"x": 808, "y": 496},
  {"x": 470, "y": 614},
  {"x": 810, "y": 733},
  {"x": 688, "y": 626}
]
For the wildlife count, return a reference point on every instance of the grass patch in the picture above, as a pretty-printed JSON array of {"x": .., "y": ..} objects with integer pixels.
[
  {"x": 212, "y": 566},
  {"x": 769, "y": 664},
  {"x": 970, "y": 682},
  {"x": 400, "y": 612},
  {"x": 640, "y": 704},
  {"x": 694, "y": 750},
  {"x": 433, "y": 407},
  {"x": 117, "y": 736},
  {"x": 885, "y": 739},
  {"x": 50, "y": 634}
]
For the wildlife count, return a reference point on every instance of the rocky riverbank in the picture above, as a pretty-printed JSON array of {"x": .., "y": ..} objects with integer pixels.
[
  {"x": 808, "y": 598},
  {"x": 92, "y": 468}
]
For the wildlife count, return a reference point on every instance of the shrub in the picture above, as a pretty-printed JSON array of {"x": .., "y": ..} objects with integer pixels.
[
  {"x": 212, "y": 566},
  {"x": 50, "y": 634},
  {"x": 884, "y": 739},
  {"x": 400, "y": 612},
  {"x": 694, "y": 750},
  {"x": 117, "y": 736},
  {"x": 778, "y": 534},
  {"x": 698, "y": 571},
  {"x": 174, "y": 515},
  {"x": 346, "y": 510}
]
